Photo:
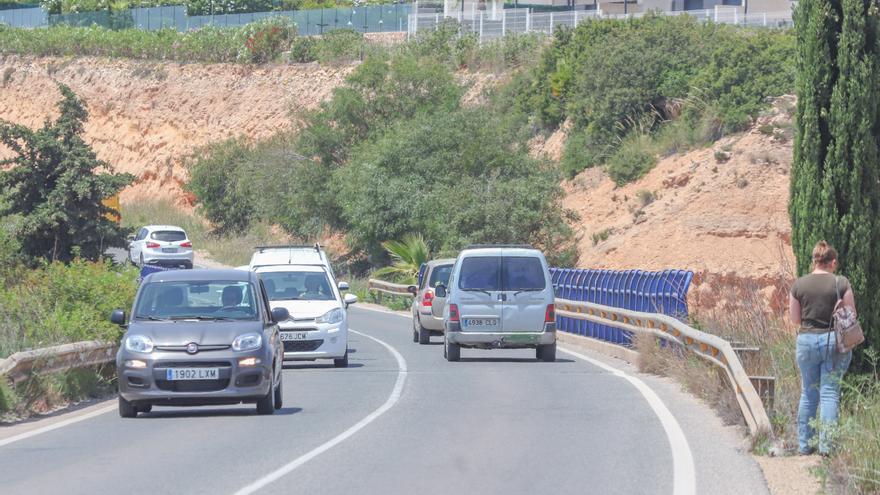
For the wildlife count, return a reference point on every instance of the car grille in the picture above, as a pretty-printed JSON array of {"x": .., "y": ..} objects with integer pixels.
[
  {"x": 192, "y": 364},
  {"x": 193, "y": 385},
  {"x": 302, "y": 345},
  {"x": 182, "y": 348}
]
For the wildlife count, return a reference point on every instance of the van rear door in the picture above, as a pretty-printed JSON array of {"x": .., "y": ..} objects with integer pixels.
[
  {"x": 479, "y": 293},
  {"x": 524, "y": 280}
]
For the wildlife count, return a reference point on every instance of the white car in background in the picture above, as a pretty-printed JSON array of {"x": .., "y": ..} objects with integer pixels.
[
  {"x": 164, "y": 245},
  {"x": 299, "y": 279}
]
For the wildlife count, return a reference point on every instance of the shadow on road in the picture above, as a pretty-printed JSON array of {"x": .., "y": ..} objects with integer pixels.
[
  {"x": 201, "y": 413},
  {"x": 316, "y": 366},
  {"x": 510, "y": 360}
]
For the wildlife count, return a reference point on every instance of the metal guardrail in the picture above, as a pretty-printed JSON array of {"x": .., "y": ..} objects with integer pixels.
[
  {"x": 20, "y": 365},
  {"x": 384, "y": 287},
  {"x": 709, "y": 347},
  {"x": 712, "y": 348}
]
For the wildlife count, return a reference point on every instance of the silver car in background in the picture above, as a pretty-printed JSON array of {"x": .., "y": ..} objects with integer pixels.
[
  {"x": 427, "y": 308},
  {"x": 200, "y": 337},
  {"x": 499, "y": 296}
]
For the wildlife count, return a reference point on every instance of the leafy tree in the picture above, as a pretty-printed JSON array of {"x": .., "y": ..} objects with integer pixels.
[
  {"x": 457, "y": 178},
  {"x": 407, "y": 256},
  {"x": 834, "y": 185},
  {"x": 54, "y": 188},
  {"x": 216, "y": 181}
]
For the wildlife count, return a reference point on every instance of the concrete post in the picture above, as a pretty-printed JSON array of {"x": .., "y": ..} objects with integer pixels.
[
  {"x": 481, "y": 28},
  {"x": 503, "y": 22},
  {"x": 528, "y": 19}
]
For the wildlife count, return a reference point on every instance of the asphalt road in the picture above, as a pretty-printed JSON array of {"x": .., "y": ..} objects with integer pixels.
[{"x": 399, "y": 420}]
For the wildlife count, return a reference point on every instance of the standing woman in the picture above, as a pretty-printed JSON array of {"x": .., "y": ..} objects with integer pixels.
[{"x": 811, "y": 304}]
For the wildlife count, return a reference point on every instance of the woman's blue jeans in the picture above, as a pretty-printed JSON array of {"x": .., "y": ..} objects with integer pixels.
[{"x": 822, "y": 368}]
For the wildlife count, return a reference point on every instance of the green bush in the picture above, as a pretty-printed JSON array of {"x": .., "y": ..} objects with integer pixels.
[
  {"x": 63, "y": 303},
  {"x": 613, "y": 78},
  {"x": 223, "y": 194},
  {"x": 456, "y": 178},
  {"x": 339, "y": 45},
  {"x": 264, "y": 40},
  {"x": 633, "y": 159}
]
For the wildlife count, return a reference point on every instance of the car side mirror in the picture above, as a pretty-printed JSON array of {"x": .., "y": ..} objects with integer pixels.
[
  {"x": 350, "y": 299},
  {"x": 280, "y": 314},
  {"x": 118, "y": 317},
  {"x": 440, "y": 290},
  {"x": 412, "y": 289},
  {"x": 343, "y": 286}
]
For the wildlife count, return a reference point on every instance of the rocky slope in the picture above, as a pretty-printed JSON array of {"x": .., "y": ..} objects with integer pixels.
[
  {"x": 719, "y": 211},
  {"x": 144, "y": 116}
]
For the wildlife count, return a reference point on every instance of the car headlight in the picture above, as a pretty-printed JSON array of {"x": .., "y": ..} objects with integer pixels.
[
  {"x": 335, "y": 315},
  {"x": 247, "y": 342},
  {"x": 138, "y": 343}
]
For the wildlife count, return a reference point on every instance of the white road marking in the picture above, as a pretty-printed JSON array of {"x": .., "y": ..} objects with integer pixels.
[
  {"x": 308, "y": 456},
  {"x": 684, "y": 480},
  {"x": 55, "y": 426},
  {"x": 684, "y": 474}
]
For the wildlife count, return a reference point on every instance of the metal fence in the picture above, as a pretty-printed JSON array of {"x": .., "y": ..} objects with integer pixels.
[
  {"x": 366, "y": 19},
  {"x": 490, "y": 25},
  {"x": 662, "y": 292}
]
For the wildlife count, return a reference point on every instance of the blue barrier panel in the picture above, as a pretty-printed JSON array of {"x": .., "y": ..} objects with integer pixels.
[
  {"x": 150, "y": 269},
  {"x": 651, "y": 292}
]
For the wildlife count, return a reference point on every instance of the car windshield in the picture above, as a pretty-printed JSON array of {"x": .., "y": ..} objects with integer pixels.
[
  {"x": 206, "y": 300},
  {"x": 297, "y": 285},
  {"x": 496, "y": 273},
  {"x": 440, "y": 275},
  {"x": 168, "y": 235}
]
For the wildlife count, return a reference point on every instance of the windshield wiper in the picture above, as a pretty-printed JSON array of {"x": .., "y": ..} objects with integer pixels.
[
  {"x": 476, "y": 289},
  {"x": 529, "y": 289},
  {"x": 204, "y": 318},
  {"x": 149, "y": 317}
]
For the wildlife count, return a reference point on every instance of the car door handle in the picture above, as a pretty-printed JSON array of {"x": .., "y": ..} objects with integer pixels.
[{"x": 502, "y": 297}]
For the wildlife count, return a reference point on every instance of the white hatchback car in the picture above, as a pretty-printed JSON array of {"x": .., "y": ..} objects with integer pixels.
[
  {"x": 165, "y": 245},
  {"x": 318, "y": 324}
]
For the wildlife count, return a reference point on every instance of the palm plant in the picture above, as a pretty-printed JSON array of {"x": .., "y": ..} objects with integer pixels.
[{"x": 407, "y": 256}]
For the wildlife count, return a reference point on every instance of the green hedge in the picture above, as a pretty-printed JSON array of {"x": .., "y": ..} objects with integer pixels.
[{"x": 613, "y": 78}]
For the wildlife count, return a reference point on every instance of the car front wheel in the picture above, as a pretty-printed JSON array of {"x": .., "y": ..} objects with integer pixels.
[
  {"x": 127, "y": 409},
  {"x": 341, "y": 362},
  {"x": 279, "y": 400},
  {"x": 266, "y": 405}
]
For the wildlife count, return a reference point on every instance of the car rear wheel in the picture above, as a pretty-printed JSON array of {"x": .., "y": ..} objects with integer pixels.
[
  {"x": 141, "y": 264},
  {"x": 266, "y": 405},
  {"x": 415, "y": 331},
  {"x": 424, "y": 333},
  {"x": 279, "y": 400},
  {"x": 547, "y": 353},
  {"x": 127, "y": 409},
  {"x": 341, "y": 362},
  {"x": 452, "y": 351}
]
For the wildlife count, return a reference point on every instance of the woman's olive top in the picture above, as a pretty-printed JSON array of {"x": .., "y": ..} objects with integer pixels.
[{"x": 818, "y": 294}]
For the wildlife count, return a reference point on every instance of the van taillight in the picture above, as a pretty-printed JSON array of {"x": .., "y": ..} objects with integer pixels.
[
  {"x": 550, "y": 314},
  {"x": 453, "y": 313},
  {"x": 428, "y": 299},
  {"x": 152, "y": 245}
]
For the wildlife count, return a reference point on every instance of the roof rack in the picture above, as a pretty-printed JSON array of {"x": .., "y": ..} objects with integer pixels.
[
  {"x": 517, "y": 246},
  {"x": 315, "y": 246}
]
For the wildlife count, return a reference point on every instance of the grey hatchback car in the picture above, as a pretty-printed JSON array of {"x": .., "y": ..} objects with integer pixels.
[{"x": 200, "y": 337}]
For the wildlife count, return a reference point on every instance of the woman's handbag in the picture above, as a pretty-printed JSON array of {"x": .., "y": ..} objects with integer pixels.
[{"x": 846, "y": 326}]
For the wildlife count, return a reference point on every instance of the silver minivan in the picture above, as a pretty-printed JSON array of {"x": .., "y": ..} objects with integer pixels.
[{"x": 499, "y": 296}]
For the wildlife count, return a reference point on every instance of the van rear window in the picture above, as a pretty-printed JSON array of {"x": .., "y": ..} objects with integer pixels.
[{"x": 496, "y": 273}]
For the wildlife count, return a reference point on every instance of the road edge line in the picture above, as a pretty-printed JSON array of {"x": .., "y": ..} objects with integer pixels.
[
  {"x": 396, "y": 393},
  {"x": 684, "y": 480},
  {"x": 54, "y": 426}
]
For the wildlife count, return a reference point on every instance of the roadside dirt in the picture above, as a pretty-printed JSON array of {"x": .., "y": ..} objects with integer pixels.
[
  {"x": 719, "y": 211},
  {"x": 146, "y": 116},
  {"x": 790, "y": 475}
]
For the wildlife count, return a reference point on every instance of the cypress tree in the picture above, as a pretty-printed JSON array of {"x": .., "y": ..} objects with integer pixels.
[{"x": 835, "y": 193}]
